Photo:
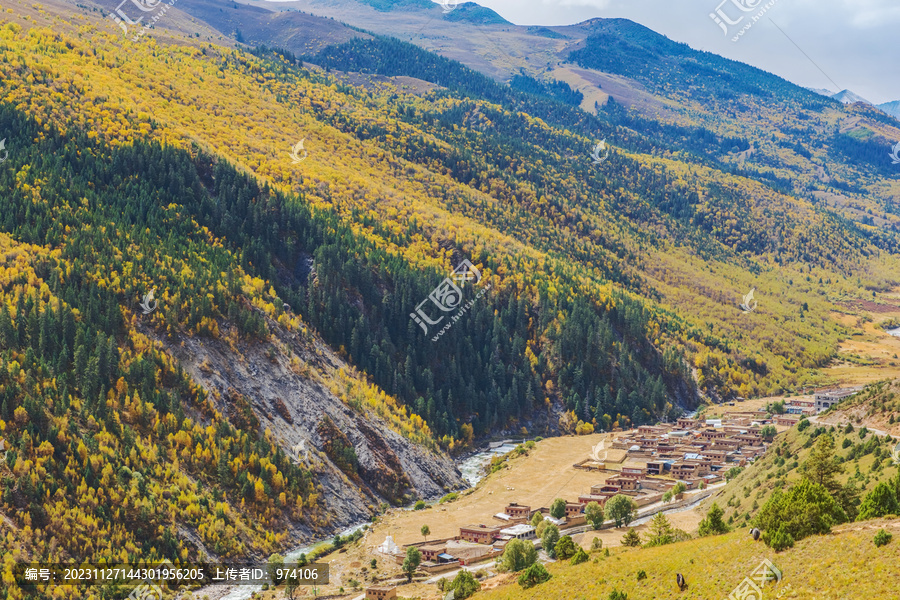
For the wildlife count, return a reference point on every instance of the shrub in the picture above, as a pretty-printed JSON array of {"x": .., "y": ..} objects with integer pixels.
[
  {"x": 642, "y": 574},
  {"x": 882, "y": 538},
  {"x": 565, "y": 548},
  {"x": 780, "y": 540},
  {"x": 660, "y": 531},
  {"x": 806, "y": 509},
  {"x": 518, "y": 556},
  {"x": 879, "y": 502},
  {"x": 621, "y": 509},
  {"x": 448, "y": 498},
  {"x": 732, "y": 473},
  {"x": 420, "y": 504},
  {"x": 617, "y": 595},
  {"x": 462, "y": 586},
  {"x": 580, "y": 556},
  {"x": 593, "y": 514},
  {"x": 631, "y": 539},
  {"x": 596, "y": 544},
  {"x": 802, "y": 425},
  {"x": 713, "y": 523},
  {"x": 411, "y": 562},
  {"x": 534, "y": 575},
  {"x": 549, "y": 539}
]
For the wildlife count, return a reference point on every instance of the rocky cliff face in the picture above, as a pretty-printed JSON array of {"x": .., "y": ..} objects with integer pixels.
[{"x": 278, "y": 385}]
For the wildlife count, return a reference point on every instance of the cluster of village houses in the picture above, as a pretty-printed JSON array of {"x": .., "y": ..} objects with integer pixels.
[{"x": 649, "y": 462}]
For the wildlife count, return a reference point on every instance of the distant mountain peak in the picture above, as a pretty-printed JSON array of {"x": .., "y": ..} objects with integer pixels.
[
  {"x": 474, "y": 13},
  {"x": 848, "y": 97},
  {"x": 391, "y": 5},
  {"x": 891, "y": 108},
  {"x": 821, "y": 91}
]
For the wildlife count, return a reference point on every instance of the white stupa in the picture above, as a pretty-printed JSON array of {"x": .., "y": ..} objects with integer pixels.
[{"x": 388, "y": 546}]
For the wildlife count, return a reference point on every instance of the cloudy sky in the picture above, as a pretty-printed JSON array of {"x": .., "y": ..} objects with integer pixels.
[{"x": 833, "y": 44}]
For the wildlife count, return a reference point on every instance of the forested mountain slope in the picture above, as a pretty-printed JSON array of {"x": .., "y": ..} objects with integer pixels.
[
  {"x": 745, "y": 120},
  {"x": 590, "y": 241},
  {"x": 131, "y": 434}
]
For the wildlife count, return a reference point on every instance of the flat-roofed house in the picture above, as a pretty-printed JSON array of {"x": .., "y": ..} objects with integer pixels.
[
  {"x": 431, "y": 552},
  {"x": 479, "y": 534},
  {"x": 603, "y": 489},
  {"x": 786, "y": 420},
  {"x": 633, "y": 472},
  {"x": 685, "y": 470},
  {"x": 517, "y": 511},
  {"x": 573, "y": 509},
  {"x": 381, "y": 592},
  {"x": 825, "y": 399},
  {"x": 658, "y": 467},
  {"x": 625, "y": 483},
  {"x": 711, "y": 434},
  {"x": 519, "y": 532},
  {"x": 588, "y": 498}
]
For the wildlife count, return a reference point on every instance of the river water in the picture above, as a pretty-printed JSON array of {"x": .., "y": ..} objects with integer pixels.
[{"x": 472, "y": 469}]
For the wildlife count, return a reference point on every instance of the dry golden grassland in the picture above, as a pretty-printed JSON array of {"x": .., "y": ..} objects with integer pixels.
[{"x": 845, "y": 564}]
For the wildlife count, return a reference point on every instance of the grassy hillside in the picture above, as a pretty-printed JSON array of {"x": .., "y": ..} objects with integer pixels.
[
  {"x": 878, "y": 407},
  {"x": 842, "y": 565},
  {"x": 865, "y": 459}
]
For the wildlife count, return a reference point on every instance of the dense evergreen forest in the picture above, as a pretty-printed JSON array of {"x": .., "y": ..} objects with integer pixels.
[{"x": 101, "y": 424}]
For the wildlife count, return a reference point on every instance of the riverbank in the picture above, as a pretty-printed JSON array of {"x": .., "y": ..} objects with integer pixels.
[
  {"x": 534, "y": 478},
  {"x": 472, "y": 468}
]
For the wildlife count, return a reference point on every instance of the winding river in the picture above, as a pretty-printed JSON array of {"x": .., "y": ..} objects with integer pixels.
[{"x": 472, "y": 469}]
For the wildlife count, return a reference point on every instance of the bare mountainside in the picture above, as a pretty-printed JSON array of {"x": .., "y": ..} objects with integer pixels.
[{"x": 295, "y": 388}]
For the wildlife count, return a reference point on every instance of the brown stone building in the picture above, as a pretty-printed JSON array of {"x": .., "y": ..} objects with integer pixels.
[
  {"x": 517, "y": 511},
  {"x": 381, "y": 593},
  {"x": 480, "y": 534}
]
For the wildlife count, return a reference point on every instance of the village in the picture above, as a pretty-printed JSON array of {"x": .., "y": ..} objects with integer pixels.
[{"x": 645, "y": 464}]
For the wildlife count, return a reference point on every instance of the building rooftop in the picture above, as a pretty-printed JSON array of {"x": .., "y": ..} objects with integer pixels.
[{"x": 517, "y": 530}]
